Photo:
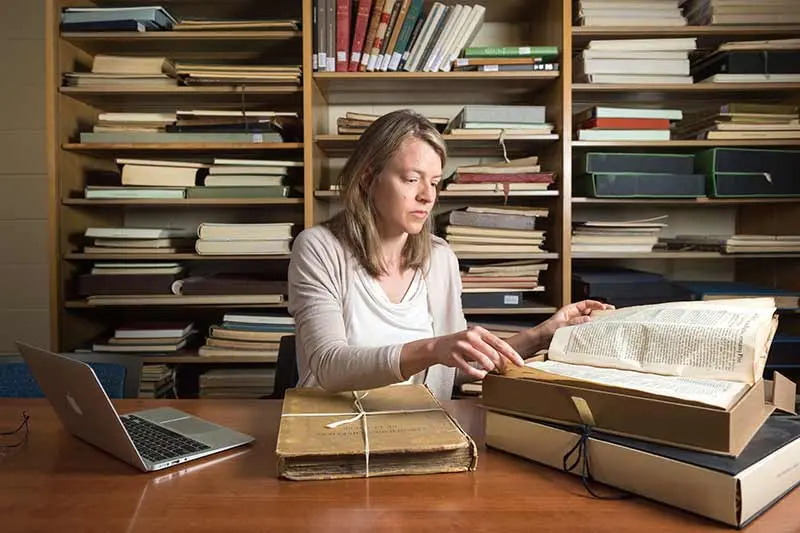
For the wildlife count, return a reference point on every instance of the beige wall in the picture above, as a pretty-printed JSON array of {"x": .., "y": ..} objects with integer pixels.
[{"x": 24, "y": 297}]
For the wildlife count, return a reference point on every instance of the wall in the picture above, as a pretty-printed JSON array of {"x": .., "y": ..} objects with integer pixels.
[{"x": 24, "y": 296}]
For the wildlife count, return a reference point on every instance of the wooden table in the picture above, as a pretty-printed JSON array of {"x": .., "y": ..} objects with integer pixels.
[{"x": 59, "y": 484}]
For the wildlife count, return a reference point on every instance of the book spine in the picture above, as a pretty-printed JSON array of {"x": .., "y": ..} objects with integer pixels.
[
  {"x": 420, "y": 23},
  {"x": 403, "y": 39},
  {"x": 331, "y": 34},
  {"x": 342, "y": 34},
  {"x": 372, "y": 32},
  {"x": 380, "y": 35},
  {"x": 359, "y": 34},
  {"x": 394, "y": 31},
  {"x": 322, "y": 35}
]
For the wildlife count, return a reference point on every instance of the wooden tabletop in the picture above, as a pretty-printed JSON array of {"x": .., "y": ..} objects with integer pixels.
[{"x": 57, "y": 483}]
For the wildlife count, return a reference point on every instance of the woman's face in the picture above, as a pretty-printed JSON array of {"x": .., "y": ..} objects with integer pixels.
[{"x": 405, "y": 191}]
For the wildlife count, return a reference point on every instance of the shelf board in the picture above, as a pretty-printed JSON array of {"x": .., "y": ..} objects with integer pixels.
[
  {"x": 211, "y": 45},
  {"x": 684, "y": 201},
  {"x": 526, "y": 310},
  {"x": 678, "y": 255},
  {"x": 178, "y": 147},
  {"x": 157, "y": 202},
  {"x": 704, "y": 143},
  {"x": 460, "y": 196},
  {"x": 506, "y": 256},
  {"x": 76, "y": 256},
  {"x": 170, "y": 98},
  {"x": 457, "y": 145},
  {"x": 83, "y": 304},
  {"x": 707, "y": 35},
  {"x": 430, "y": 87}
]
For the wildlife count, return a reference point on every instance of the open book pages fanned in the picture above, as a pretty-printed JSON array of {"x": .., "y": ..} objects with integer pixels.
[{"x": 705, "y": 352}]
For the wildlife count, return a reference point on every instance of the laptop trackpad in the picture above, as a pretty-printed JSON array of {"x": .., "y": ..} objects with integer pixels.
[{"x": 191, "y": 426}]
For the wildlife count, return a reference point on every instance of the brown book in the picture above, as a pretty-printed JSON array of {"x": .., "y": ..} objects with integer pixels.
[{"x": 405, "y": 428}]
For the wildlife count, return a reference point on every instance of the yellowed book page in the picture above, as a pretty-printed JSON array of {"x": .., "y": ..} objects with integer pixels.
[{"x": 723, "y": 339}]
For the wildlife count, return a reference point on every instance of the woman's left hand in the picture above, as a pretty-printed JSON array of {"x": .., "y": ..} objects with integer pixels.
[{"x": 572, "y": 314}]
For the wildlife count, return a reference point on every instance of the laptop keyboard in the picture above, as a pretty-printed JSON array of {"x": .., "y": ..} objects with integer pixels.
[{"x": 157, "y": 443}]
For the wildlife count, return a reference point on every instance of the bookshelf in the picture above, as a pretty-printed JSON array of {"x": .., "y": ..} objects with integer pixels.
[{"x": 324, "y": 96}]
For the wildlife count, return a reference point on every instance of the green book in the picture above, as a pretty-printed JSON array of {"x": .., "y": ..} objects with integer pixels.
[{"x": 544, "y": 52}]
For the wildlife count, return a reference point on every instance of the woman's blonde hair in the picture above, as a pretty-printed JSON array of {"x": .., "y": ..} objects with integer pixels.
[{"x": 355, "y": 226}]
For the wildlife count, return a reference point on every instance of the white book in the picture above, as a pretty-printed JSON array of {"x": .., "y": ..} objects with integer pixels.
[
  {"x": 639, "y": 21},
  {"x": 633, "y": 112},
  {"x": 136, "y": 233},
  {"x": 642, "y": 45},
  {"x": 639, "y": 79},
  {"x": 634, "y": 54},
  {"x": 449, "y": 23},
  {"x": 257, "y": 162},
  {"x": 160, "y": 163},
  {"x": 623, "y": 135},
  {"x": 454, "y": 33},
  {"x": 466, "y": 37},
  {"x": 424, "y": 36},
  {"x": 678, "y": 67}
]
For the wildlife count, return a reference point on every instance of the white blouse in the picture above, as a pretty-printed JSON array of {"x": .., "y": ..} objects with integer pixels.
[{"x": 371, "y": 319}]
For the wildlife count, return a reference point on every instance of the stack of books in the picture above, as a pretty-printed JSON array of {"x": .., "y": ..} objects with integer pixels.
[
  {"x": 640, "y": 13},
  {"x": 148, "y": 338},
  {"x": 392, "y": 35},
  {"x": 482, "y": 229},
  {"x": 272, "y": 238},
  {"x": 616, "y": 236},
  {"x": 241, "y": 383},
  {"x": 156, "y": 382},
  {"x": 247, "y": 335},
  {"x": 136, "y": 19},
  {"x": 601, "y": 123},
  {"x": 710, "y": 12},
  {"x": 505, "y": 120},
  {"x": 508, "y": 283},
  {"x": 508, "y": 58},
  {"x": 353, "y": 123},
  {"x": 206, "y": 126},
  {"x": 742, "y": 121},
  {"x": 750, "y": 62},
  {"x": 112, "y": 71},
  {"x": 250, "y": 178},
  {"x": 735, "y": 243},
  {"x": 520, "y": 176},
  {"x": 636, "y": 61},
  {"x": 133, "y": 240},
  {"x": 213, "y": 74},
  {"x": 133, "y": 122},
  {"x": 261, "y": 25}
]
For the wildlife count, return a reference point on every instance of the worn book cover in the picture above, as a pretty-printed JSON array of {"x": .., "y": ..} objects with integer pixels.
[{"x": 395, "y": 430}]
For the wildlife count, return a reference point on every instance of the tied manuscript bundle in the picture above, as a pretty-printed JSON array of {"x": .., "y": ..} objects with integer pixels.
[{"x": 393, "y": 430}]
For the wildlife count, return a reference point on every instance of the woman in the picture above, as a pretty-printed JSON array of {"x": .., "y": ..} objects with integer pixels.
[{"x": 376, "y": 297}]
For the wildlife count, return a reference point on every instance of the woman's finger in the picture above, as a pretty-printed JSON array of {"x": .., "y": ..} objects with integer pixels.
[
  {"x": 504, "y": 349},
  {"x": 467, "y": 368}
]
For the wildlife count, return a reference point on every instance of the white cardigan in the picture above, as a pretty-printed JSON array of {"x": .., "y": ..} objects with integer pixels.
[{"x": 320, "y": 277}]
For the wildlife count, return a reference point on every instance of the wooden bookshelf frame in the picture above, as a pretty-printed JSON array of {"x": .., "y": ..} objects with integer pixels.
[{"x": 549, "y": 23}]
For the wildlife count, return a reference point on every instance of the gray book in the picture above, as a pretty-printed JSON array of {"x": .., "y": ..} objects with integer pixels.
[
  {"x": 512, "y": 114},
  {"x": 169, "y": 137}
]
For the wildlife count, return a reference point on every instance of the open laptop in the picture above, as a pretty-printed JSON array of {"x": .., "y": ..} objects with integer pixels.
[{"x": 152, "y": 439}]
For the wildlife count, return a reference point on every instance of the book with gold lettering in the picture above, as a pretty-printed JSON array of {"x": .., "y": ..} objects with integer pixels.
[{"x": 395, "y": 430}]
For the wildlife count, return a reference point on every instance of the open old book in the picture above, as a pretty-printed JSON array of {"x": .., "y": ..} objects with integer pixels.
[{"x": 709, "y": 352}]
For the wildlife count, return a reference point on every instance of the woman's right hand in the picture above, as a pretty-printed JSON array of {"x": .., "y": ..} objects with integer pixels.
[{"x": 474, "y": 344}]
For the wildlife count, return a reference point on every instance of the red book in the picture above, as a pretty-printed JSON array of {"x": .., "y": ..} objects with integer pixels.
[
  {"x": 627, "y": 123},
  {"x": 342, "y": 34},
  {"x": 359, "y": 33},
  {"x": 525, "y": 177}
]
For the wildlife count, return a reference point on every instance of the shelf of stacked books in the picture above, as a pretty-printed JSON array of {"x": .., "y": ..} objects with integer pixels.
[
  {"x": 178, "y": 158},
  {"x": 435, "y": 53},
  {"x": 486, "y": 75},
  {"x": 677, "y": 108}
]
